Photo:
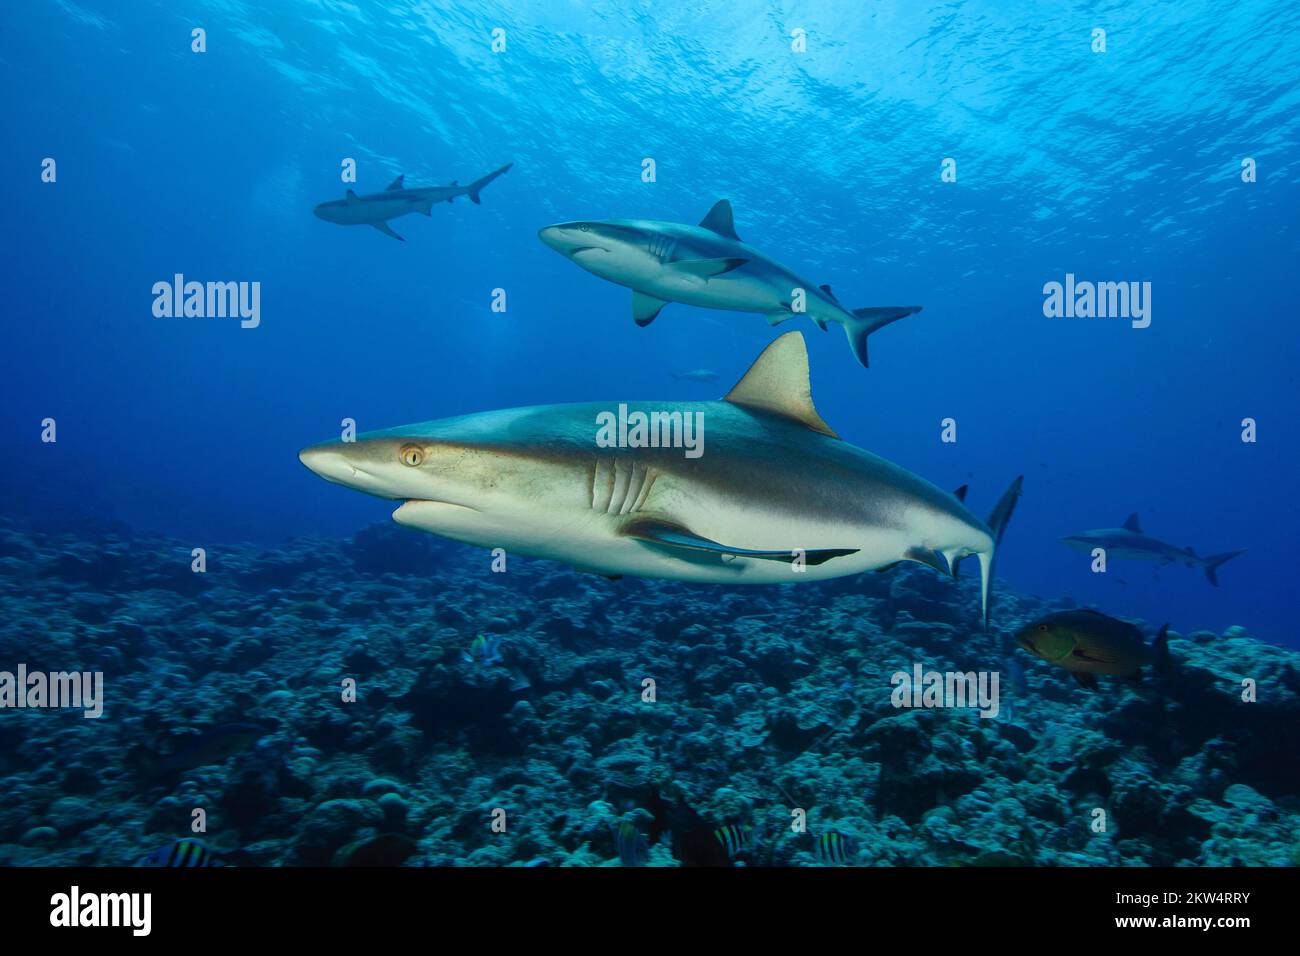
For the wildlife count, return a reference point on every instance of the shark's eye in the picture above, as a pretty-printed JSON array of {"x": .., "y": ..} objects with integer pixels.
[
  {"x": 1043, "y": 628},
  {"x": 411, "y": 455},
  {"x": 585, "y": 228}
]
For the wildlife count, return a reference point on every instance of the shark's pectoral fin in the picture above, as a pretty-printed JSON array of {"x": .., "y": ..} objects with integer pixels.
[
  {"x": 690, "y": 546},
  {"x": 645, "y": 308},
  {"x": 707, "y": 268},
  {"x": 383, "y": 227}
]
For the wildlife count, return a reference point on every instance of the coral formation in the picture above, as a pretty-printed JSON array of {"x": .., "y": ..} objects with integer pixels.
[{"x": 680, "y": 708}]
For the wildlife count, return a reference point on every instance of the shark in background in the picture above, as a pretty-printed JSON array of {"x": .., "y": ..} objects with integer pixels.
[
  {"x": 376, "y": 209},
  {"x": 709, "y": 266},
  {"x": 1129, "y": 542},
  {"x": 701, "y": 375},
  {"x": 777, "y": 497}
]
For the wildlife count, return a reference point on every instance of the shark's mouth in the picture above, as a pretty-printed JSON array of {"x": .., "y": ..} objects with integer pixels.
[
  {"x": 428, "y": 503},
  {"x": 588, "y": 249}
]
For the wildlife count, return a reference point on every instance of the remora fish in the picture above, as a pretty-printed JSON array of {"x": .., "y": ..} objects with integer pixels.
[
  {"x": 377, "y": 208},
  {"x": 707, "y": 265},
  {"x": 1087, "y": 643},
  {"x": 776, "y": 498},
  {"x": 1132, "y": 543}
]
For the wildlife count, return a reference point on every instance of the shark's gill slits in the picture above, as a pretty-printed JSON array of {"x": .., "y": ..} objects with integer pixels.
[
  {"x": 622, "y": 479},
  {"x": 602, "y": 485},
  {"x": 647, "y": 482},
  {"x": 661, "y": 247},
  {"x": 618, "y": 486}
]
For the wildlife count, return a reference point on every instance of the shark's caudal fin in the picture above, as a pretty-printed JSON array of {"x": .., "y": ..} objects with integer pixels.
[
  {"x": 474, "y": 188},
  {"x": 867, "y": 321},
  {"x": 1213, "y": 561},
  {"x": 997, "y": 525}
]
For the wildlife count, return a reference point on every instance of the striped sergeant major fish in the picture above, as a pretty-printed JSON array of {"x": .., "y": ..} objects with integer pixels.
[
  {"x": 182, "y": 853},
  {"x": 734, "y": 837},
  {"x": 632, "y": 844},
  {"x": 834, "y": 847}
]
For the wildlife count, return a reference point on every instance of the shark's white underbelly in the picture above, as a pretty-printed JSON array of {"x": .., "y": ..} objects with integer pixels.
[
  {"x": 741, "y": 294},
  {"x": 364, "y": 213},
  {"x": 594, "y": 542}
]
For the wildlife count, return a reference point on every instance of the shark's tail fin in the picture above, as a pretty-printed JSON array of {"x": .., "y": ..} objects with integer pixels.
[
  {"x": 997, "y": 522},
  {"x": 1213, "y": 561},
  {"x": 474, "y": 188},
  {"x": 866, "y": 321}
]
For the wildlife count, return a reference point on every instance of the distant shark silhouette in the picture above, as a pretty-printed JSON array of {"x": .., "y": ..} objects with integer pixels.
[
  {"x": 707, "y": 265},
  {"x": 377, "y": 208},
  {"x": 1132, "y": 543},
  {"x": 776, "y": 498}
]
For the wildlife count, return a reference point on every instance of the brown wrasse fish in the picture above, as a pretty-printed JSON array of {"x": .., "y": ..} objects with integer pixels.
[{"x": 1087, "y": 643}]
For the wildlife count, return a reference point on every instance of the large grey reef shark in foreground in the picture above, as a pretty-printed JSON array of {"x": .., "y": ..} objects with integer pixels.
[
  {"x": 773, "y": 482},
  {"x": 1132, "y": 543},
  {"x": 707, "y": 265},
  {"x": 377, "y": 208}
]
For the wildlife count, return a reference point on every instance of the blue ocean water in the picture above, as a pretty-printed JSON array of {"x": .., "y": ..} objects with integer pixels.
[{"x": 1122, "y": 165}]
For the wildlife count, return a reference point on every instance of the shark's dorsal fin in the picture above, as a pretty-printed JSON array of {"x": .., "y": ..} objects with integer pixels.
[
  {"x": 396, "y": 183},
  {"x": 719, "y": 220},
  {"x": 829, "y": 293},
  {"x": 777, "y": 382},
  {"x": 1132, "y": 524},
  {"x": 352, "y": 197}
]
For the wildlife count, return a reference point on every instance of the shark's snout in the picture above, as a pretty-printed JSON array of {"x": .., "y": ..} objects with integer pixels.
[
  {"x": 326, "y": 211},
  {"x": 550, "y": 235},
  {"x": 330, "y": 462},
  {"x": 570, "y": 238},
  {"x": 561, "y": 238}
]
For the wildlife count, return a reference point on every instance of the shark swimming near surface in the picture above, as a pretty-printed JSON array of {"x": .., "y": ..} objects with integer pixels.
[
  {"x": 697, "y": 375},
  {"x": 1130, "y": 542},
  {"x": 376, "y": 209},
  {"x": 708, "y": 265},
  {"x": 776, "y": 496}
]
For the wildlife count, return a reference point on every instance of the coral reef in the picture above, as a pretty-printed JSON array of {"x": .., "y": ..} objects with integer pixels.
[{"x": 681, "y": 708}]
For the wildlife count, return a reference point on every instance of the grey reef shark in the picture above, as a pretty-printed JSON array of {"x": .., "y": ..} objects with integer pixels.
[
  {"x": 377, "y": 208},
  {"x": 775, "y": 497},
  {"x": 1130, "y": 542},
  {"x": 709, "y": 266}
]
